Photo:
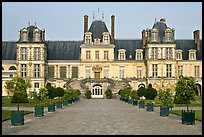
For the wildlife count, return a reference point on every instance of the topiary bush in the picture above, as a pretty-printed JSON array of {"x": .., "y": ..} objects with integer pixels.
[
  {"x": 141, "y": 91},
  {"x": 88, "y": 94}
]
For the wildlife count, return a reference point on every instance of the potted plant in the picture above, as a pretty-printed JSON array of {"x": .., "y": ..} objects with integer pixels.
[
  {"x": 18, "y": 86},
  {"x": 126, "y": 92},
  {"x": 165, "y": 96},
  {"x": 142, "y": 102},
  {"x": 51, "y": 94},
  {"x": 88, "y": 94},
  {"x": 150, "y": 106},
  {"x": 108, "y": 93},
  {"x": 134, "y": 97},
  {"x": 185, "y": 91}
]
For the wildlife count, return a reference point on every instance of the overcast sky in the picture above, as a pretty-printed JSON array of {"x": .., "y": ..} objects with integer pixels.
[{"x": 64, "y": 20}]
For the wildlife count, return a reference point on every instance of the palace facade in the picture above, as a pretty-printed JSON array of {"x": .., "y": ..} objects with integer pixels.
[{"x": 100, "y": 60}]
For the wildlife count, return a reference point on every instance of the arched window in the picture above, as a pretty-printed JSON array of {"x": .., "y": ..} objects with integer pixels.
[
  {"x": 12, "y": 68},
  {"x": 2, "y": 68},
  {"x": 24, "y": 35},
  {"x": 36, "y": 35}
]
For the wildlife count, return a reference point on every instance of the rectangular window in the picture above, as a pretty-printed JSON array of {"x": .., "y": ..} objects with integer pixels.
[
  {"x": 192, "y": 56},
  {"x": 106, "y": 72},
  {"x": 36, "y": 37},
  {"x": 105, "y": 39},
  {"x": 154, "y": 53},
  {"x": 23, "y": 53},
  {"x": 88, "y": 40},
  {"x": 168, "y": 70},
  {"x": 154, "y": 70},
  {"x": 63, "y": 70},
  {"x": 23, "y": 70},
  {"x": 197, "y": 73},
  {"x": 139, "y": 72},
  {"x": 88, "y": 72},
  {"x": 139, "y": 56},
  {"x": 122, "y": 72},
  {"x": 88, "y": 54},
  {"x": 105, "y": 54},
  {"x": 169, "y": 53},
  {"x": 180, "y": 70},
  {"x": 122, "y": 55},
  {"x": 37, "y": 53},
  {"x": 97, "y": 54},
  {"x": 74, "y": 72},
  {"x": 178, "y": 55},
  {"x": 36, "y": 85},
  {"x": 50, "y": 71},
  {"x": 36, "y": 70}
]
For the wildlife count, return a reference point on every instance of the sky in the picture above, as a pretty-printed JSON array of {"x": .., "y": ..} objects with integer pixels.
[{"x": 65, "y": 20}]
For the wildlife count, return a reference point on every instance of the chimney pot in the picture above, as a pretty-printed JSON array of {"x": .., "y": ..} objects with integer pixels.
[
  {"x": 85, "y": 23},
  {"x": 196, "y": 35},
  {"x": 112, "y": 29}
]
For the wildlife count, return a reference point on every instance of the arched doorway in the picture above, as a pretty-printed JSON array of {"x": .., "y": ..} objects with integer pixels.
[
  {"x": 198, "y": 90},
  {"x": 97, "y": 91}
]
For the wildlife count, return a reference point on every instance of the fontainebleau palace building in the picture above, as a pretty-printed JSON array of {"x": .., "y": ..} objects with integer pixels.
[{"x": 100, "y": 60}]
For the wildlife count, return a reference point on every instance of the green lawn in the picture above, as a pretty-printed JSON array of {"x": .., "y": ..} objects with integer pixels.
[
  {"x": 6, "y": 114},
  {"x": 198, "y": 114}
]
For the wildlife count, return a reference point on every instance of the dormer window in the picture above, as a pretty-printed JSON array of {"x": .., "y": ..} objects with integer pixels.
[
  {"x": 24, "y": 35},
  {"x": 192, "y": 54},
  {"x": 36, "y": 35},
  {"x": 154, "y": 35},
  {"x": 106, "y": 38},
  {"x": 121, "y": 54},
  {"x": 168, "y": 35},
  {"x": 88, "y": 39},
  {"x": 97, "y": 41},
  {"x": 179, "y": 55},
  {"x": 139, "y": 55}
]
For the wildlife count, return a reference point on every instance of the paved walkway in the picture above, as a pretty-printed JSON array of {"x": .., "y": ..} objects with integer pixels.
[{"x": 102, "y": 117}]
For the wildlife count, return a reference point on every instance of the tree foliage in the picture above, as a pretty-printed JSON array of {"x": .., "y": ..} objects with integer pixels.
[{"x": 166, "y": 97}]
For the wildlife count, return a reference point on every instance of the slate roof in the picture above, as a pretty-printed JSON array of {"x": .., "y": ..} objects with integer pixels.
[
  {"x": 70, "y": 50},
  {"x": 160, "y": 26},
  {"x": 97, "y": 28}
]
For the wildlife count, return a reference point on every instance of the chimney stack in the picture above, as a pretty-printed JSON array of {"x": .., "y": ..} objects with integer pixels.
[
  {"x": 196, "y": 35},
  {"x": 144, "y": 38},
  {"x": 85, "y": 23},
  {"x": 112, "y": 29}
]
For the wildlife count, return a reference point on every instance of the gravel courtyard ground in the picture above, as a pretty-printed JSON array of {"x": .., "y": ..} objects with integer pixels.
[{"x": 101, "y": 117}]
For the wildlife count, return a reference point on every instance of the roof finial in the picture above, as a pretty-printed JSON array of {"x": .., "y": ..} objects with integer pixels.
[
  {"x": 35, "y": 24},
  {"x": 93, "y": 14},
  {"x": 28, "y": 23},
  {"x": 103, "y": 15},
  {"x": 155, "y": 19}
]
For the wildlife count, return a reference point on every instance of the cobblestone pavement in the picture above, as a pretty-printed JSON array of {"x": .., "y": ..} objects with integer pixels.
[{"x": 102, "y": 117}]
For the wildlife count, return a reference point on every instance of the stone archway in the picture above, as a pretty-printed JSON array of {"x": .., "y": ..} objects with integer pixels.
[
  {"x": 97, "y": 91},
  {"x": 198, "y": 90}
]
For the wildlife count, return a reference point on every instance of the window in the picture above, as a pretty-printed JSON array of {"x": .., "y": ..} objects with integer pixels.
[
  {"x": 121, "y": 72},
  {"x": 197, "y": 68},
  {"x": 36, "y": 36},
  {"x": 88, "y": 54},
  {"x": 168, "y": 53},
  {"x": 24, "y": 36},
  {"x": 36, "y": 53},
  {"x": 10, "y": 75},
  {"x": 179, "y": 56},
  {"x": 168, "y": 36},
  {"x": 121, "y": 56},
  {"x": 12, "y": 68},
  {"x": 50, "y": 71},
  {"x": 74, "y": 72},
  {"x": 96, "y": 54},
  {"x": 180, "y": 70},
  {"x": 36, "y": 85},
  {"x": 105, "y": 39},
  {"x": 154, "y": 53},
  {"x": 88, "y": 39},
  {"x": 139, "y": 56},
  {"x": 88, "y": 72},
  {"x": 36, "y": 70},
  {"x": 106, "y": 72},
  {"x": 154, "y": 70},
  {"x": 192, "y": 56},
  {"x": 105, "y": 54},
  {"x": 154, "y": 36},
  {"x": 23, "y": 53},
  {"x": 63, "y": 71},
  {"x": 139, "y": 72},
  {"x": 168, "y": 70},
  {"x": 23, "y": 70}
]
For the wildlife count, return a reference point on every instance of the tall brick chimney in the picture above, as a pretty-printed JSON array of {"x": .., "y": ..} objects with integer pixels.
[
  {"x": 144, "y": 38},
  {"x": 196, "y": 35},
  {"x": 112, "y": 29},
  {"x": 85, "y": 23}
]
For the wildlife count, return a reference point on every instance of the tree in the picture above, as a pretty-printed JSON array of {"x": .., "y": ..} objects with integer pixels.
[
  {"x": 165, "y": 97},
  {"x": 185, "y": 89},
  {"x": 141, "y": 91},
  {"x": 60, "y": 91},
  {"x": 18, "y": 86},
  {"x": 108, "y": 93},
  {"x": 133, "y": 95},
  {"x": 88, "y": 94}
]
